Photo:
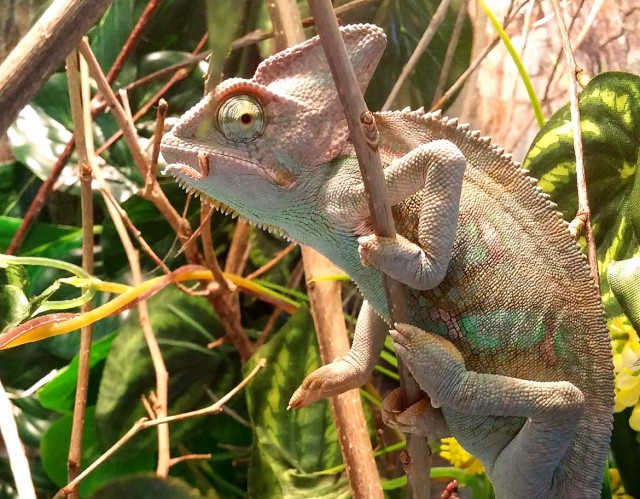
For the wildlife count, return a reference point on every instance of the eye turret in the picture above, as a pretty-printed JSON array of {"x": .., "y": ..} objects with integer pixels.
[{"x": 240, "y": 118}]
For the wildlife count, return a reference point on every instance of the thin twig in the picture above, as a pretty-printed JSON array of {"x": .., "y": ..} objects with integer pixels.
[
  {"x": 417, "y": 458},
  {"x": 157, "y": 196},
  {"x": 178, "y": 76},
  {"x": 15, "y": 450},
  {"x": 162, "y": 377},
  {"x": 427, "y": 36},
  {"x": 584, "y": 212},
  {"x": 451, "y": 50},
  {"x": 80, "y": 99},
  {"x": 188, "y": 457},
  {"x": 274, "y": 261},
  {"x": 474, "y": 64},
  {"x": 144, "y": 423}
]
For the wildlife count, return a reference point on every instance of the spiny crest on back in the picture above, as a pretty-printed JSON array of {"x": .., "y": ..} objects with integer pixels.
[{"x": 481, "y": 153}]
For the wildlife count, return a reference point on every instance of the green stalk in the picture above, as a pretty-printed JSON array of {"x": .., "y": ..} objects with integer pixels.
[{"x": 535, "y": 103}]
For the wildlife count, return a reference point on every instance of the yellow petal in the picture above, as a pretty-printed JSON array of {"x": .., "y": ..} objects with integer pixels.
[{"x": 634, "y": 420}]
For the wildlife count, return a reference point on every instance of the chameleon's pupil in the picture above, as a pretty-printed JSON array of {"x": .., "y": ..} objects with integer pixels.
[{"x": 245, "y": 118}]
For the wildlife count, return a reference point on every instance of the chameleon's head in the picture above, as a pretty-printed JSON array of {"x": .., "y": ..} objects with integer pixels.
[{"x": 258, "y": 145}]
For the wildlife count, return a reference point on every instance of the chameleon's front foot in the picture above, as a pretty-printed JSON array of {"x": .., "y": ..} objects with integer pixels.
[
  {"x": 328, "y": 381},
  {"x": 401, "y": 259}
]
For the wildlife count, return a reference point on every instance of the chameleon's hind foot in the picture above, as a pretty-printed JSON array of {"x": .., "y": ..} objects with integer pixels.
[{"x": 418, "y": 419}]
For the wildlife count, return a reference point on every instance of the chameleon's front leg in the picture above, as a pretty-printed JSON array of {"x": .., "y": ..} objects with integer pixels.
[
  {"x": 436, "y": 168},
  {"x": 350, "y": 371}
]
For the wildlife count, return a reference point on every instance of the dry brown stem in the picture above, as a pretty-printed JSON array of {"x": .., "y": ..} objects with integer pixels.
[
  {"x": 80, "y": 99},
  {"x": 41, "y": 51}
]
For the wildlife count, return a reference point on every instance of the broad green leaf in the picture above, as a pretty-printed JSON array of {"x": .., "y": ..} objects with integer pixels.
[
  {"x": 109, "y": 36},
  {"x": 37, "y": 140},
  {"x": 291, "y": 446},
  {"x": 59, "y": 394},
  {"x": 147, "y": 487},
  {"x": 53, "y": 99},
  {"x": 46, "y": 240},
  {"x": 624, "y": 279},
  {"x": 183, "y": 325},
  {"x": 610, "y": 114},
  {"x": 54, "y": 450}
]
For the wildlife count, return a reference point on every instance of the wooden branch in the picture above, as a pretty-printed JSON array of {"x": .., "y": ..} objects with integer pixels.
[
  {"x": 333, "y": 340},
  {"x": 42, "y": 51},
  {"x": 417, "y": 460},
  {"x": 328, "y": 319}
]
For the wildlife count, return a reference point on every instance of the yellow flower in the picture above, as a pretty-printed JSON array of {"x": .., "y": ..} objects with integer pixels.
[
  {"x": 453, "y": 452},
  {"x": 626, "y": 365},
  {"x": 616, "y": 485}
]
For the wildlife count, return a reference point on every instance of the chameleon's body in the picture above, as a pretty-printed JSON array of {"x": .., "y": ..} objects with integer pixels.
[{"x": 490, "y": 264}]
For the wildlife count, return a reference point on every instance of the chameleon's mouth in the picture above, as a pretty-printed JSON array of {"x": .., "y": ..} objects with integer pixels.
[{"x": 179, "y": 171}]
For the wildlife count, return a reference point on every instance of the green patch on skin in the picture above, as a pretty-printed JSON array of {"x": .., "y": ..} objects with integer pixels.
[
  {"x": 488, "y": 331},
  {"x": 439, "y": 327},
  {"x": 479, "y": 252},
  {"x": 559, "y": 343}
]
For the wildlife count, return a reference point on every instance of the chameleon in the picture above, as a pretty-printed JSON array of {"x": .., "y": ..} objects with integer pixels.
[{"x": 506, "y": 332}]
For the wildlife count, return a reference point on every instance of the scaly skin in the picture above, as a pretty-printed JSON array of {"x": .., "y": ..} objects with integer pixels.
[{"x": 507, "y": 334}]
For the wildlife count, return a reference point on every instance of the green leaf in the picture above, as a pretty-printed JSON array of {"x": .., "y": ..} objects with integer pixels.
[
  {"x": 610, "y": 123},
  {"x": 290, "y": 446},
  {"x": 54, "y": 450},
  {"x": 46, "y": 240},
  {"x": 183, "y": 326},
  {"x": 147, "y": 487},
  {"x": 109, "y": 36},
  {"x": 59, "y": 394}
]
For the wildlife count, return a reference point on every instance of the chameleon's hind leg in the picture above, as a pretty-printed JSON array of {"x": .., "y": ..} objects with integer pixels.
[{"x": 552, "y": 410}]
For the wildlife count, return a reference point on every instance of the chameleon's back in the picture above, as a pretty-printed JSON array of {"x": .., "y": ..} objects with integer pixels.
[{"x": 518, "y": 299}]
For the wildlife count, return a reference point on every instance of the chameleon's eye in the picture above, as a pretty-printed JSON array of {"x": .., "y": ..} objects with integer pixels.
[{"x": 240, "y": 118}]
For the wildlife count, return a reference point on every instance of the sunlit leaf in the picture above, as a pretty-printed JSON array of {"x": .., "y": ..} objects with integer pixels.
[{"x": 291, "y": 445}]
